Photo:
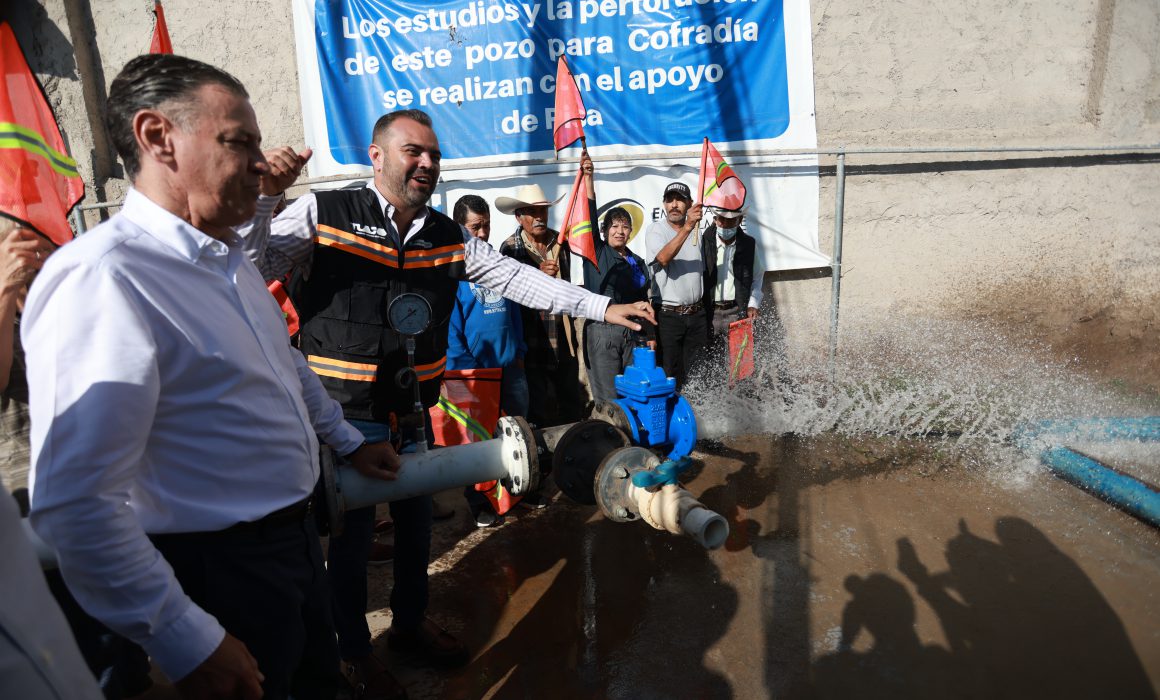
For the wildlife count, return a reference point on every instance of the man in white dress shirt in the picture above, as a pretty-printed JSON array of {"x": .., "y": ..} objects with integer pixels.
[{"x": 174, "y": 443}]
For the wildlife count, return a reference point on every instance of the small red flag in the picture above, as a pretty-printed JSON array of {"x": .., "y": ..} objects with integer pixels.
[
  {"x": 719, "y": 185},
  {"x": 288, "y": 311},
  {"x": 161, "y": 42},
  {"x": 39, "y": 183},
  {"x": 740, "y": 350},
  {"x": 569, "y": 121},
  {"x": 577, "y": 228},
  {"x": 468, "y": 411}
]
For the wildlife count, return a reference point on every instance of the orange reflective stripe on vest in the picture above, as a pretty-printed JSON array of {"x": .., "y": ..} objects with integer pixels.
[
  {"x": 431, "y": 370},
  {"x": 340, "y": 369},
  {"x": 434, "y": 257},
  {"x": 343, "y": 240}
]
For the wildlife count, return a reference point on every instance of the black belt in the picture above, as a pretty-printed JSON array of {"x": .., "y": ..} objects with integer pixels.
[
  {"x": 724, "y": 305},
  {"x": 290, "y": 515},
  {"x": 683, "y": 310}
]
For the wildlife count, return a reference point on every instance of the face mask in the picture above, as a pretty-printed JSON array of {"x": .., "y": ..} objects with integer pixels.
[{"x": 727, "y": 234}]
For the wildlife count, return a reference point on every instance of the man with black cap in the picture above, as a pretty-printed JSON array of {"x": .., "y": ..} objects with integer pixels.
[{"x": 678, "y": 281}]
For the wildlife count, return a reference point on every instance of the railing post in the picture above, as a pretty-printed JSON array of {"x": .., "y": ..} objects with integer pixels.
[
  {"x": 836, "y": 264},
  {"x": 79, "y": 221}
]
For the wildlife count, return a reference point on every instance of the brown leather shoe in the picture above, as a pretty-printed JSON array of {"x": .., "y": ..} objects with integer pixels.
[
  {"x": 429, "y": 644},
  {"x": 370, "y": 680},
  {"x": 384, "y": 527}
]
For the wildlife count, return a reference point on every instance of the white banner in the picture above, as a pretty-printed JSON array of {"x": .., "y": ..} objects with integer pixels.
[{"x": 753, "y": 90}]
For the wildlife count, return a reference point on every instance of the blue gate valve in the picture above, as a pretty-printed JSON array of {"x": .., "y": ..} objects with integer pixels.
[{"x": 657, "y": 415}]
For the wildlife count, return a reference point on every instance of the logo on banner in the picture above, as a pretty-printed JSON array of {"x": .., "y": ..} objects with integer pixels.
[{"x": 635, "y": 212}]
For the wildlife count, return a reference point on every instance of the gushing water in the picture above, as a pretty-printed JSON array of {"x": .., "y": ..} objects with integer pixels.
[{"x": 906, "y": 376}]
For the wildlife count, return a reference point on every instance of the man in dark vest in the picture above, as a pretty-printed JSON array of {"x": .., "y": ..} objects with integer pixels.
[
  {"x": 355, "y": 251},
  {"x": 733, "y": 274}
]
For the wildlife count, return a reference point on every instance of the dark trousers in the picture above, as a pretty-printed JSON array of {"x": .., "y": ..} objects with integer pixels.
[
  {"x": 682, "y": 338},
  {"x": 347, "y": 555},
  {"x": 266, "y": 585},
  {"x": 609, "y": 350},
  {"x": 554, "y": 392},
  {"x": 120, "y": 666}
]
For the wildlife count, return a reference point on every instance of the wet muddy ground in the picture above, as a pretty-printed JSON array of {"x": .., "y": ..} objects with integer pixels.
[{"x": 856, "y": 567}]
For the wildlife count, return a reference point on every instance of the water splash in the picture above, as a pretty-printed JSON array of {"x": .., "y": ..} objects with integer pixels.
[{"x": 904, "y": 376}]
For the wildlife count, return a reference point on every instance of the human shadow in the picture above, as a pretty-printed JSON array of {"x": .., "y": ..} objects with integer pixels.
[
  {"x": 564, "y": 606},
  {"x": 1021, "y": 619},
  {"x": 745, "y": 489},
  {"x": 897, "y": 665}
]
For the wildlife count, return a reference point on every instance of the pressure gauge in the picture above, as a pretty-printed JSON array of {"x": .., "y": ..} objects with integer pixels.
[{"x": 409, "y": 314}]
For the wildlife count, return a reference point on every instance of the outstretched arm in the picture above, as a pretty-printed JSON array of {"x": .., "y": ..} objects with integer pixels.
[
  {"x": 528, "y": 286},
  {"x": 665, "y": 255},
  {"x": 277, "y": 245}
]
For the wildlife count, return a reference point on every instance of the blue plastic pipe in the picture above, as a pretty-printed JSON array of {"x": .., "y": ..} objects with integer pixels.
[
  {"x": 1119, "y": 489},
  {"x": 1089, "y": 430}
]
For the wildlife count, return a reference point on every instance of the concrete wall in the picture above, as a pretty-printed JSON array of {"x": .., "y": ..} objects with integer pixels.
[{"x": 1055, "y": 248}]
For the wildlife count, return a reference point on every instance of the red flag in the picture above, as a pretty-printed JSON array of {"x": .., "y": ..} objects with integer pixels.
[
  {"x": 719, "y": 185},
  {"x": 288, "y": 311},
  {"x": 740, "y": 350},
  {"x": 39, "y": 183},
  {"x": 161, "y": 42},
  {"x": 468, "y": 406},
  {"x": 467, "y": 411},
  {"x": 570, "y": 111},
  {"x": 577, "y": 228}
]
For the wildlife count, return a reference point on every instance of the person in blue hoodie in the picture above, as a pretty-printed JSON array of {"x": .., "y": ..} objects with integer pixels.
[{"x": 486, "y": 332}]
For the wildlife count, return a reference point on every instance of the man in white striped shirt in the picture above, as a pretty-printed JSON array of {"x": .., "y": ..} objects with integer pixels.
[{"x": 354, "y": 251}]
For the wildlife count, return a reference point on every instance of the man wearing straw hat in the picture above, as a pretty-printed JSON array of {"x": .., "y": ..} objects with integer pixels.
[{"x": 550, "y": 362}]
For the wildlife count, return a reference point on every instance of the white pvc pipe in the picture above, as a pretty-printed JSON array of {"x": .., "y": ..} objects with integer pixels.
[
  {"x": 425, "y": 473},
  {"x": 508, "y": 456}
]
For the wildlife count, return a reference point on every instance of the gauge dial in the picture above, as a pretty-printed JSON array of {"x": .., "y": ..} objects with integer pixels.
[{"x": 409, "y": 314}]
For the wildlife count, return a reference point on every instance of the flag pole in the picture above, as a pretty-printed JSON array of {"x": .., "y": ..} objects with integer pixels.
[{"x": 701, "y": 184}]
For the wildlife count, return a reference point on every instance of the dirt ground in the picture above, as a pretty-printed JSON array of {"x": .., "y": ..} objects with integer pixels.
[{"x": 856, "y": 567}]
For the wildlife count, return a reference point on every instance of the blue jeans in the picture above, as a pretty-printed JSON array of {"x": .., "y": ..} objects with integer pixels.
[
  {"x": 346, "y": 562},
  {"x": 513, "y": 393}
]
